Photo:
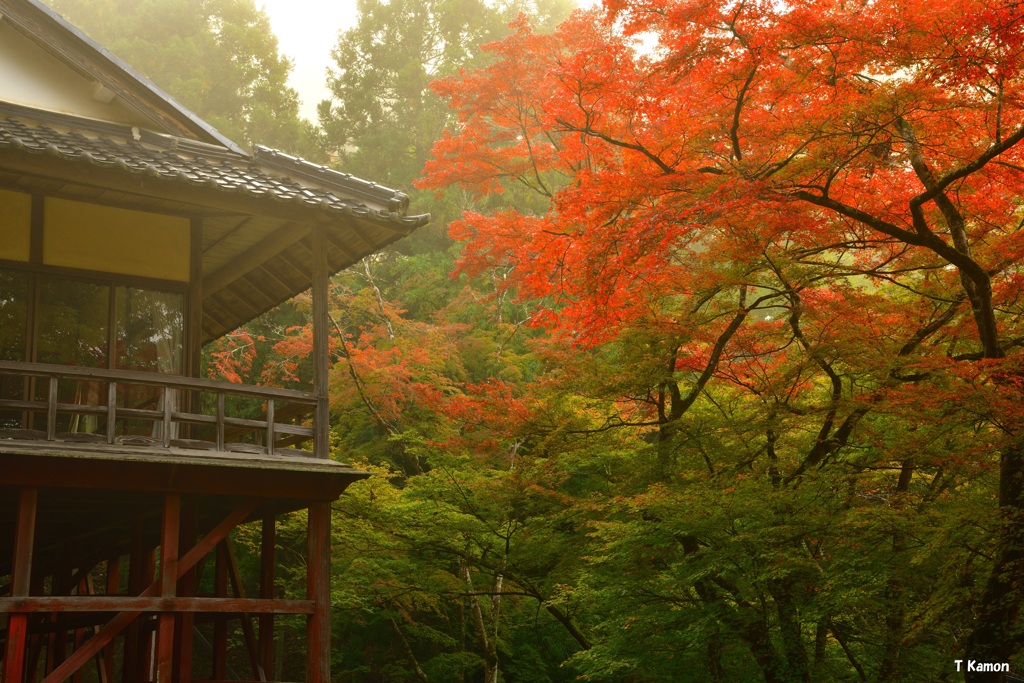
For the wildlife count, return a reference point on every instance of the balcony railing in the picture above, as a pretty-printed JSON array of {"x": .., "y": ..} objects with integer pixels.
[{"x": 78, "y": 404}]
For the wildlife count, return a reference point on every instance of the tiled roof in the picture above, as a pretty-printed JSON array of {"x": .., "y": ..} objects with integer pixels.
[{"x": 266, "y": 174}]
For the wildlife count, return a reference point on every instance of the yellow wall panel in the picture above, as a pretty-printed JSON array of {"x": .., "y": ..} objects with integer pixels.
[
  {"x": 105, "y": 239},
  {"x": 15, "y": 225}
]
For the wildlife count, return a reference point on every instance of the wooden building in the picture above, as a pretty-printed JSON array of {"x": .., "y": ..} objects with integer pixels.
[{"x": 131, "y": 234}]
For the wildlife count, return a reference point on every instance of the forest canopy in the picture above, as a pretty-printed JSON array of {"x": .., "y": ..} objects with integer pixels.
[{"x": 709, "y": 366}]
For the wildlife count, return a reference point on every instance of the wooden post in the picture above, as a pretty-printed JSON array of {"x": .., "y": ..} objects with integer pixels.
[
  {"x": 138, "y": 564},
  {"x": 318, "y": 589},
  {"x": 267, "y": 593},
  {"x": 21, "y": 577},
  {"x": 187, "y": 586},
  {"x": 168, "y": 586},
  {"x": 321, "y": 419},
  {"x": 113, "y": 588},
  {"x": 220, "y": 625}
]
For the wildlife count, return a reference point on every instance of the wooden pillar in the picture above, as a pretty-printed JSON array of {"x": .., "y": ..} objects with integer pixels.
[
  {"x": 113, "y": 587},
  {"x": 138, "y": 565},
  {"x": 21, "y": 577},
  {"x": 60, "y": 583},
  {"x": 266, "y": 593},
  {"x": 79, "y": 640},
  {"x": 194, "y": 325},
  {"x": 220, "y": 624},
  {"x": 318, "y": 589},
  {"x": 321, "y": 420},
  {"x": 168, "y": 586},
  {"x": 187, "y": 586}
]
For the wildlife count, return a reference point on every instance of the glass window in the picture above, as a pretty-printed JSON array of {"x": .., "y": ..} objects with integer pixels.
[
  {"x": 149, "y": 338},
  {"x": 74, "y": 318},
  {"x": 13, "y": 333},
  {"x": 13, "y": 314},
  {"x": 149, "y": 330}
]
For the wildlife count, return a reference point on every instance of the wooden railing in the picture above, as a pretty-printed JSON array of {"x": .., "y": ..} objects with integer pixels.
[{"x": 178, "y": 412}]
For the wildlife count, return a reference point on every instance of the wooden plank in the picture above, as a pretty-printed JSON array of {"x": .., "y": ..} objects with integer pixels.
[
  {"x": 21, "y": 584},
  {"x": 150, "y": 379},
  {"x": 194, "y": 319},
  {"x": 318, "y": 589},
  {"x": 284, "y": 478},
  {"x": 125, "y": 603},
  {"x": 321, "y": 420}
]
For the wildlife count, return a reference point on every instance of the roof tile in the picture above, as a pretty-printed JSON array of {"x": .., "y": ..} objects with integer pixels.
[{"x": 177, "y": 160}]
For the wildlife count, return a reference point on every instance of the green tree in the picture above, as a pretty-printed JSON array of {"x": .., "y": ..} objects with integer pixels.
[
  {"x": 383, "y": 118},
  {"x": 217, "y": 57}
]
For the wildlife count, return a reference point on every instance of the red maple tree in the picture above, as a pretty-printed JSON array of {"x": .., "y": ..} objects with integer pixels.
[{"x": 812, "y": 197}]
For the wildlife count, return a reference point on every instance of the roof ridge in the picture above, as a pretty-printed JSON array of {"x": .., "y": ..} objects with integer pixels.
[
  {"x": 171, "y": 159},
  {"x": 39, "y": 22},
  {"x": 394, "y": 200}
]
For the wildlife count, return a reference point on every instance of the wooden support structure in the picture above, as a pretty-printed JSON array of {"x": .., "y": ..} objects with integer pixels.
[
  {"x": 318, "y": 589},
  {"x": 220, "y": 625},
  {"x": 266, "y": 643},
  {"x": 168, "y": 587},
  {"x": 21, "y": 576},
  {"x": 156, "y": 648},
  {"x": 321, "y": 421}
]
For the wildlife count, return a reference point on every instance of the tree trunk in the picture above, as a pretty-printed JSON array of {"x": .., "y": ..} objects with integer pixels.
[{"x": 995, "y": 637}]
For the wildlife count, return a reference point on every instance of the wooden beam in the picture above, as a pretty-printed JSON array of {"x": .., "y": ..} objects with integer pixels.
[
  {"x": 318, "y": 589},
  {"x": 125, "y": 603},
  {"x": 240, "y": 475},
  {"x": 239, "y": 228},
  {"x": 247, "y": 632},
  {"x": 123, "y": 619},
  {"x": 168, "y": 586},
  {"x": 195, "y": 298},
  {"x": 21, "y": 579},
  {"x": 112, "y": 588},
  {"x": 187, "y": 587},
  {"x": 322, "y": 418},
  {"x": 220, "y": 626},
  {"x": 139, "y": 576},
  {"x": 254, "y": 256}
]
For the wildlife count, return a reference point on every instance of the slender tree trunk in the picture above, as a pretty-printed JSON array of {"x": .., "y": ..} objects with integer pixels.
[
  {"x": 790, "y": 629},
  {"x": 489, "y": 645},
  {"x": 891, "y": 668},
  {"x": 996, "y": 634}
]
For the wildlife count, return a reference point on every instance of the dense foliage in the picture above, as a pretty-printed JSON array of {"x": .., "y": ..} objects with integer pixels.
[
  {"x": 724, "y": 384},
  {"x": 218, "y": 57}
]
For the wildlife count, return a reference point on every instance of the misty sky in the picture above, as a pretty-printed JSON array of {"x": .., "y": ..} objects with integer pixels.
[{"x": 306, "y": 31}]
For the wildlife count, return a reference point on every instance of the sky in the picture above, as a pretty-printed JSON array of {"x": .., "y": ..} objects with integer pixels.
[{"x": 309, "y": 42}]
